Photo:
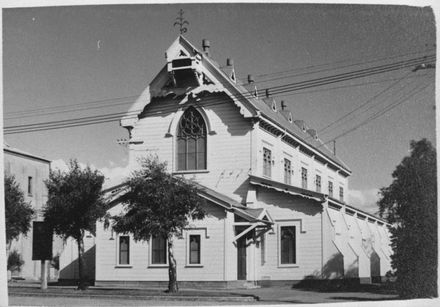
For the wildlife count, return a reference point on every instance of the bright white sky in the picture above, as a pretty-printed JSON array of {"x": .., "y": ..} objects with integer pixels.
[{"x": 74, "y": 56}]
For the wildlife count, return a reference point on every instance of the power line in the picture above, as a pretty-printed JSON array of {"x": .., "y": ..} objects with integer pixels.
[
  {"x": 361, "y": 72},
  {"x": 378, "y": 114},
  {"x": 364, "y": 104},
  {"x": 76, "y": 104},
  {"x": 304, "y": 85},
  {"x": 334, "y": 63},
  {"x": 278, "y": 89}
]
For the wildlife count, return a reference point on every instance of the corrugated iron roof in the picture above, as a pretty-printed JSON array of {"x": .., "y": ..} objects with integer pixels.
[{"x": 274, "y": 116}]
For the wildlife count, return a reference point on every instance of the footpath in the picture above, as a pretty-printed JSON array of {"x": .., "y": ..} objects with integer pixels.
[{"x": 273, "y": 295}]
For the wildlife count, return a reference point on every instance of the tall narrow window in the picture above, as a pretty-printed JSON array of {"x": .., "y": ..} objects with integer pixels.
[
  {"x": 158, "y": 250},
  {"x": 318, "y": 183},
  {"x": 287, "y": 171},
  {"x": 30, "y": 185},
  {"x": 341, "y": 193},
  {"x": 267, "y": 162},
  {"x": 287, "y": 245},
  {"x": 191, "y": 141},
  {"x": 330, "y": 189},
  {"x": 124, "y": 250},
  {"x": 194, "y": 249},
  {"x": 304, "y": 178}
]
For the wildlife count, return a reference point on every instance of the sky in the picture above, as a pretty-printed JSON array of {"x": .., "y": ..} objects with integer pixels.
[{"x": 98, "y": 59}]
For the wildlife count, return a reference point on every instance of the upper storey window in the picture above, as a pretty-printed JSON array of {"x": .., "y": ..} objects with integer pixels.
[
  {"x": 267, "y": 162},
  {"x": 330, "y": 189},
  {"x": 191, "y": 141},
  {"x": 304, "y": 178}
]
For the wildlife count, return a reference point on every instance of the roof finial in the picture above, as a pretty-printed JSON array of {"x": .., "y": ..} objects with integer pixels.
[{"x": 181, "y": 22}]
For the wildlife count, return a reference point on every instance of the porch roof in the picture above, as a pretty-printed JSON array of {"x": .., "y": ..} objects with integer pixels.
[{"x": 114, "y": 195}]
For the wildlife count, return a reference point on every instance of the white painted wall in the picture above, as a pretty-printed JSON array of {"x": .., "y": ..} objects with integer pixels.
[
  {"x": 213, "y": 255},
  {"x": 306, "y": 216}
]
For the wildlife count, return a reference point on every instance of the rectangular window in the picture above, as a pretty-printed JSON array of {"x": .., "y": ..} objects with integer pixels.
[
  {"x": 267, "y": 162},
  {"x": 341, "y": 193},
  {"x": 287, "y": 171},
  {"x": 287, "y": 245},
  {"x": 318, "y": 183},
  {"x": 158, "y": 250},
  {"x": 30, "y": 185},
  {"x": 330, "y": 189},
  {"x": 304, "y": 178},
  {"x": 124, "y": 250},
  {"x": 194, "y": 249}
]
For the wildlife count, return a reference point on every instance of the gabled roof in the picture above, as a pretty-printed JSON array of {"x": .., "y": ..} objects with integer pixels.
[
  {"x": 250, "y": 106},
  {"x": 114, "y": 196}
]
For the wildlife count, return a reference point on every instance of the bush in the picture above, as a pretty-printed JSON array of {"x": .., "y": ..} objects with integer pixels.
[
  {"x": 15, "y": 262},
  {"x": 55, "y": 262}
]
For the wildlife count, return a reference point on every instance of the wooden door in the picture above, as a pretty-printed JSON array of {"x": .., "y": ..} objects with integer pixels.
[{"x": 241, "y": 258}]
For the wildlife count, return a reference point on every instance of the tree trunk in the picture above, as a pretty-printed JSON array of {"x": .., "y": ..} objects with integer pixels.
[
  {"x": 172, "y": 269},
  {"x": 82, "y": 285}
]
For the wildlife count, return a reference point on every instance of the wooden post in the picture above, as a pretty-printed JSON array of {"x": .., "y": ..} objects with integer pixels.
[{"x": 43, "y": 275}]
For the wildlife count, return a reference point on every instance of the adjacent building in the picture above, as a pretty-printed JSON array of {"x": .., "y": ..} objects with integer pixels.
[
  {"x": 276, "y": 196},
  {"x": 30, "y": 172}
]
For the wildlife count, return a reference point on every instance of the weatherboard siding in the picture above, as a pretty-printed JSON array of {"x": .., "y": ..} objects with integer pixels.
[
  {"x": 228, "y": 147},
  {"x": 306, "y": 216},
  {"x": 281, "y": 150},
  {"x": 211, "y": 230}
]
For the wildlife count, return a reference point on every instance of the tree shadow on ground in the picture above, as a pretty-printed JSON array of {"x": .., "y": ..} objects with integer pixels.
[{"x": 333, "y": 279}]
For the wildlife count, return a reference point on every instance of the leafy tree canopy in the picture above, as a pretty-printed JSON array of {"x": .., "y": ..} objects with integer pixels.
[
  {"x": 410, "y": 205},
  {"x": 75, "y": 201},
  {"x": 18, "y": 212},
  {"x": 157, "y": 204}
]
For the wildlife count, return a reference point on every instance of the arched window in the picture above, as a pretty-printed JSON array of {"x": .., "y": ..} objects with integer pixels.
[{"x": 191, "y": 141}]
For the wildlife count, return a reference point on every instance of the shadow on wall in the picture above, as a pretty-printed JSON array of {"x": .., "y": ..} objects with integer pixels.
[
  {"x": 331, "y": 278},
  {"x": 375, "y": 267},
  {"x": 71, "y": 270}
]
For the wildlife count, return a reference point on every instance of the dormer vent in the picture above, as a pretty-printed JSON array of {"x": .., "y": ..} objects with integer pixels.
[
  {"x": 250, "y": 79},
  {"x": 313, "y": 133},
  {"x": 206, "y": 45},
  {"x": 229, "y": 62},
  {"x": 301, "y": 124},
  {"x": 185, "y": 71},
  {"x": 274, "y": 105}
]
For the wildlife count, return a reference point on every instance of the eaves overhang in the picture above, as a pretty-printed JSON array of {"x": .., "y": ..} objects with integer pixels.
[
  {"x": 285, "y": 129},
  {"x": 285, "y": 188},
  {"x": 341, "y": 204}
]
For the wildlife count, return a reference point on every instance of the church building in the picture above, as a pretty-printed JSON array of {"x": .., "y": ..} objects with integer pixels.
[{"x": 276, "y": 196}]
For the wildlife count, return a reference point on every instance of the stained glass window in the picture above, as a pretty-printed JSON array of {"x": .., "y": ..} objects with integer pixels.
[{"x": 191, "y": 141}]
